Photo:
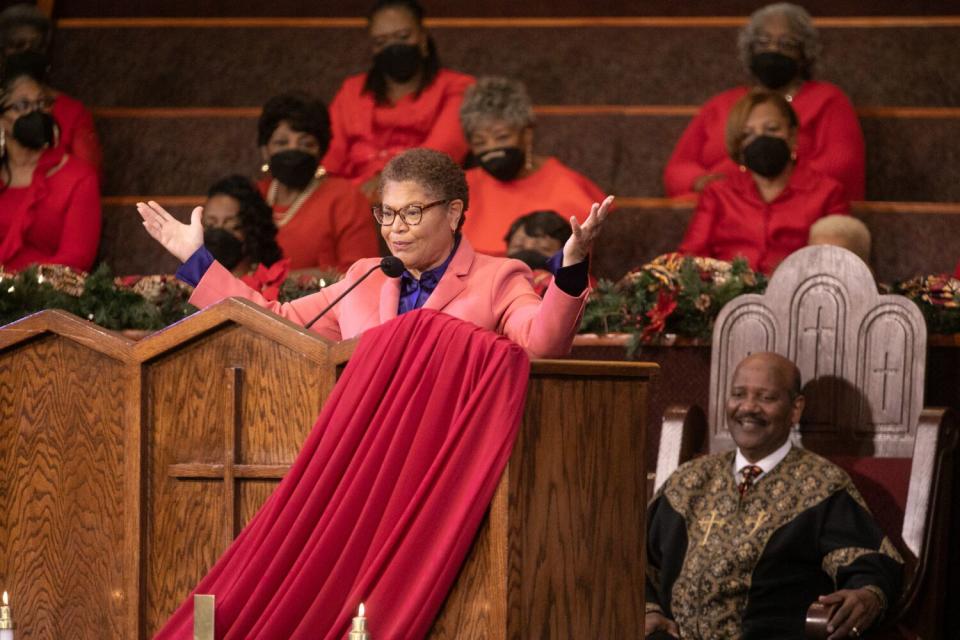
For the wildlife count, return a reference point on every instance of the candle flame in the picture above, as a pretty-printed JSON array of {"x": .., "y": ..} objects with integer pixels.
[
  {"x": 359, "y": 611},
  {"x": 6, "y": 599}
]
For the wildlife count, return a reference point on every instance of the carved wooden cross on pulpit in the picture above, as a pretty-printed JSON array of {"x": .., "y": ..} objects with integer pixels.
[
  {"x": 886, "y": 371},
  {"x": 230, "y": 472},
  {"x": 819, "y": 330}
]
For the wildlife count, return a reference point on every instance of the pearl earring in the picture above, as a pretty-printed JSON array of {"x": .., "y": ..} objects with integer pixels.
[{"x": 265, "y": 167}]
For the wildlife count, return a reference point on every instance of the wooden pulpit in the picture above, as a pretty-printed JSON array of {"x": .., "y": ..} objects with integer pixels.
[{"x": 128, "y": 467}]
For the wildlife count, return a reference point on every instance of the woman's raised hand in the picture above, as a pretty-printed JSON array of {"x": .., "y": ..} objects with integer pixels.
[
  {"x": 580, "y": 243},
  {"x": 182, "y": 240}
]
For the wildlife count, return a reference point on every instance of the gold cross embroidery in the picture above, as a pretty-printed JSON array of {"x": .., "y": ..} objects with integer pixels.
[
  {"x": 758, "y": 520},
  {"x": 708, "y": 523}
]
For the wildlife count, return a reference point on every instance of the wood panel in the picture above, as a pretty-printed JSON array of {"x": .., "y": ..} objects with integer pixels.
[
  {"x": 577, "y": 504},
  {"x": 64, "y": 546}
]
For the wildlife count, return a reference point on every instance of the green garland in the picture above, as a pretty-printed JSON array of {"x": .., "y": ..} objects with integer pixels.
[
  {"x": 673, "y": 294},
  {"x": 144, "y": 303},
  {"x": 681, "y": 296}
]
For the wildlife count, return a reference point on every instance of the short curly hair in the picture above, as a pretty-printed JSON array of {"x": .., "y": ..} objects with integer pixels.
[
  {"x": 496, "y": 98},
  {"x": 741, "y": 112},
  {"x": 801, "y": 26},
  {"x": 256, "y": 219},
  {"x": 435, "y": 171},
  {"x": 25, "y": 14},
  {"x": 301, "y": 111}
]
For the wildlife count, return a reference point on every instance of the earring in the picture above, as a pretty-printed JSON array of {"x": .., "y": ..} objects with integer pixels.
[
  {"x": 265, "y": 167},
  {"x": 793, "y": 156},
  {"x": 3, "y": 143},
  {"x": 320, "y": 172},
  {"x": 529, "y": 160}
]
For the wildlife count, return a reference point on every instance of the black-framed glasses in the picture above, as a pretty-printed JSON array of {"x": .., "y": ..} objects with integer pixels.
[
  {"x": 21, "y": 107},
  {"x": 784, "y": 44},
  {"x": 411, "y": 214}
]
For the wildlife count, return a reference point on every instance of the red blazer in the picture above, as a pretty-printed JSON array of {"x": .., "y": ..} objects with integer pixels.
[
  {"x": 54, "y": 220},
  {"x": 829, "y": 140},
  {"x": 731, "y": 219},
  {"x": 367, "y": 135},
  {"x": 493, "y": 293}
]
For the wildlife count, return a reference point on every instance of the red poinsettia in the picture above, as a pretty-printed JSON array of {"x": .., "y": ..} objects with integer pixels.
[
  {"x": 267, "y": 280},
  {"x": 666, "y": 304}
]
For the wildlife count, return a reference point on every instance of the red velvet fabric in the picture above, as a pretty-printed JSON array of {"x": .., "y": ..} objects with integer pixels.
[
  {"x": 883, "y": 483},
  {"x": 384, "y": 500}
]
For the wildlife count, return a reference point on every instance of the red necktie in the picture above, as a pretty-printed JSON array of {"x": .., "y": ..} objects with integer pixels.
[{"x": 749, "y": 474}]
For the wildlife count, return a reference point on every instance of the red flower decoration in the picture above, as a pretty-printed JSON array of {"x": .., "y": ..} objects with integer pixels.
[
  {"x": 666, "y": 304},
  {"x": 267, "y": 280}
]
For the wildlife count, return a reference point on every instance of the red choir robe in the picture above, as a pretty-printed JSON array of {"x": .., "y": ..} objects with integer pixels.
[
  {"x": 829, "y": 140},
  {"x": 332, "y": 229},
  {"x": 367, "y": 135},
  {"x": 495, "y": 205},
  {"x": 732, "y": 220},
  {"x": 54, "y": 220},
  {"x": 77, "y": 133}
]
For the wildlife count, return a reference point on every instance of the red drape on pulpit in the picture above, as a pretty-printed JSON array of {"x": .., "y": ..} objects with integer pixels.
[{"x": 384, "y": 499}]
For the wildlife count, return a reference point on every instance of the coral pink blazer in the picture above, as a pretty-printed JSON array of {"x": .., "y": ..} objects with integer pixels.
[{"x": 493, "y": 293}]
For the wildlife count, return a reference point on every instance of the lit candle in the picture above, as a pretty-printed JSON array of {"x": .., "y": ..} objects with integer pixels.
[
  {"x": 359, "y": 630},
  {"x": 6, "y": 620}
]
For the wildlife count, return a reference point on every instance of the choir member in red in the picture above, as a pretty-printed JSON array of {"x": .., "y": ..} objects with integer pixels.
[
  {"x": 324, "y": 221},
  {"x": 405, "y": 100},
  {"x": 49, "y": 200},
  {"x": 779, "y": 47},
  {"x": 25, "y": 33},
  {"x": 511, "y": 180},
  {"x": 763, "y": 211}
]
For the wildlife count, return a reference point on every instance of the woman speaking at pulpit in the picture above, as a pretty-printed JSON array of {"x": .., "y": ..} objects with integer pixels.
[{"x": 424, "y": 201}]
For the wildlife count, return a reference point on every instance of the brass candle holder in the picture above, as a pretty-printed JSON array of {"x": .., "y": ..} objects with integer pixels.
[{"x": 359, "y": 629}]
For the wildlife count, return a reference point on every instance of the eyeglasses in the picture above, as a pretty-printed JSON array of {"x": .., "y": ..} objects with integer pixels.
[
  {"x": 26, "y": 106},
  {"x": 786, "y": 44},
  {"x": 410, "y": 214}
]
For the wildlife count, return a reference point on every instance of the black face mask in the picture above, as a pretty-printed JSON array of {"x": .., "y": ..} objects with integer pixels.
[
  {"x": 400, "y": 62},
  {"x": 533, "y": 259},
  {"x": 294, "y": 168},
  {"x": 225, "y": 247},
  {"x": 773, "y": 69},
  {"x": 767, "y": 156},
  {"x": 504, "y": 163},
  {"x": 34, "y": 130}
]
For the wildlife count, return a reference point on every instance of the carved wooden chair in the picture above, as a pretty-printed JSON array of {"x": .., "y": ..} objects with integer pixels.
[{"x": 862, "y": 358}]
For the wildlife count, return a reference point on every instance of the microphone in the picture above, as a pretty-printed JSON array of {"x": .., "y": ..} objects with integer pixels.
[{"x": 391, "y": 266}]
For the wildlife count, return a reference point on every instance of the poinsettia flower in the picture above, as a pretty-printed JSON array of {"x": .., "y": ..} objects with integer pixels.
[
  {"x": 267, "y": 280},
  {"x": 666, "y": 305}
]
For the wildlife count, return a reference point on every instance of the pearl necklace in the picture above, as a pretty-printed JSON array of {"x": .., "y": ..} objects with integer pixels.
[{"x": 296, "y": 204}]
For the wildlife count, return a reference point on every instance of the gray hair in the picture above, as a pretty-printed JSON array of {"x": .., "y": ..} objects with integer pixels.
[
  {"x": 495, "y": 98},
  {"x": 801, "y": 26}
]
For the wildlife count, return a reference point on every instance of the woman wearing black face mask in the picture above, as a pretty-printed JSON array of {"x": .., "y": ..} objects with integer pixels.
[
  {"x": 779, "y": 48},
  {"x": 25, "y": 36},
  {"x": 324, "y": 221},
  {"x": 497, "y": 118},
  {"x": 764, "y": 211},
  {"x": 405, "y": 100},
  {"x": 49, "y": 201}
]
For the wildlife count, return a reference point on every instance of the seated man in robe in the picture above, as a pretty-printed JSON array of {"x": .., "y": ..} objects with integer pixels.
[
  {"x": 739, "y": 544},
  {"x": 846, "y": 232}
]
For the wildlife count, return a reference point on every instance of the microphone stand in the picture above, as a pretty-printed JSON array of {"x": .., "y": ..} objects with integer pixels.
[{"x": 340, "y": 297}]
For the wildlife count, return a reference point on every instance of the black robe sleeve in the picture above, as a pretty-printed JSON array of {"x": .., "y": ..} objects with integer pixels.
[{"x": 666, "y": 549}]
